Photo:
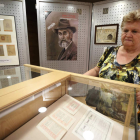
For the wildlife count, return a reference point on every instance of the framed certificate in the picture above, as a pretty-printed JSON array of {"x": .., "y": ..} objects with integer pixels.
[{"x": 106, "y": 34}]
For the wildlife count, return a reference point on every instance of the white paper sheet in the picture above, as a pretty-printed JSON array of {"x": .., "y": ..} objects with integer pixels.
[
  {"x": 63, "y": 118},
  {"x": 99, "y": 125},
  {"x": 51, "y": 129},
  {"x": 72, "y": 106}
]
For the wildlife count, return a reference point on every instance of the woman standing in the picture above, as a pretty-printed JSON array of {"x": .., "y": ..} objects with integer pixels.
[{"x": 122, "y": 64}]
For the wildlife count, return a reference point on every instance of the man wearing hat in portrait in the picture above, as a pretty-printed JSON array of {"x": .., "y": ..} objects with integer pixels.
[{"x": 65, "y": 34}]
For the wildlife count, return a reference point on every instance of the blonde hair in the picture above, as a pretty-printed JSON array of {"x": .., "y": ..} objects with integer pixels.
[{"x": 131, "y": 17}]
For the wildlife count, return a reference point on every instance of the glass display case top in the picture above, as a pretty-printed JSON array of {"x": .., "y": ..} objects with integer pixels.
[
  {"x": 116, "y": 102},
  {"x": 19, "y": 74},
  {"x": 106, "y": 109}
]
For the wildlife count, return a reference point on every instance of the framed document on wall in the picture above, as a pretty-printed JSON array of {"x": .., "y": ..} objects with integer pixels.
[
  {"x": 8, "y": 41},
  {"x": 106, "y": 34}
]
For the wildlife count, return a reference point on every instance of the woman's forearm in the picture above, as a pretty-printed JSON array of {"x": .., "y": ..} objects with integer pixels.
[{"x": 93, "y": 72}]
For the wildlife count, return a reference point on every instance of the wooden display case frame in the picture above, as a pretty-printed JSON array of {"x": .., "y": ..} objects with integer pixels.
[{"x": 11, "y": 96}]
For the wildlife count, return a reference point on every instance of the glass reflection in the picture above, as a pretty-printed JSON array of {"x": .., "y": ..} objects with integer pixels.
[
  {"x": 88, "y": 135},
  {"x": 42, "y": 109}
]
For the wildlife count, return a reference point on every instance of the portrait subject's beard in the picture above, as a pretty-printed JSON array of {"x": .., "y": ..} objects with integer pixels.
[{"x": 63, "y": 43}]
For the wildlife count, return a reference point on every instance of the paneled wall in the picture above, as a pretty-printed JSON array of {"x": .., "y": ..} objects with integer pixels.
[
  {"x": 17, "y": 9},
  {"x": 117, "y": 9},
  {"x": 83, "y": 41},
  {"x": 84, "y": 25}
]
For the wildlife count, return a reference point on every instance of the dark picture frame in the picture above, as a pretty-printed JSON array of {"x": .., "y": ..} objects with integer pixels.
[{"x": 106, "y": 34}]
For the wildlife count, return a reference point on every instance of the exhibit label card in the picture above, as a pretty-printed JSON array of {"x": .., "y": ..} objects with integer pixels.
[
  {"x": 100, "y": 126},
  {"x": 51, "y": 129},
  {"x": 72, "y": 106},
  {"x": 63, "y": 118},
  {"x": 5, "y": 61}
]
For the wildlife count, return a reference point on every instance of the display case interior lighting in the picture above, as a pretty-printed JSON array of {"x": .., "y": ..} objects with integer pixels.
[
  {"x": 88, "y": 135},
  {"x": 70, "y": 88},
  {"x": 42, "y": 109},
  {"x": 8, "y": 77},
  {"x": 70, "y": 7}
]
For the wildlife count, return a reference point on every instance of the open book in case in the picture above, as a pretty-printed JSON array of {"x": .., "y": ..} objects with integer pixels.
[{"x": 77, "y": 107}]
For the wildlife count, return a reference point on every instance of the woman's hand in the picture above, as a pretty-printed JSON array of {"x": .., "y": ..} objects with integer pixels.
[{"x": 138, "y": 97}]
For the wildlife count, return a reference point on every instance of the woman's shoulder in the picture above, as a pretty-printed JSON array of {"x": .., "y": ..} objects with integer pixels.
[
  {"x": 115, "y": 47},
  {"x": 112, "y": 49}
]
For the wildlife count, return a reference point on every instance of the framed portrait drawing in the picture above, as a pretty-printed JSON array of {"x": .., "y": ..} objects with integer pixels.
[
  {"x": 8, "y": 41},
  {"x": 61, "y": 35},
  {"x": 106, "y": 34}
]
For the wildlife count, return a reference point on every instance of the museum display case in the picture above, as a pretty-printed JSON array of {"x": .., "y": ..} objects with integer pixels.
[{"x": 70, "y": 112}]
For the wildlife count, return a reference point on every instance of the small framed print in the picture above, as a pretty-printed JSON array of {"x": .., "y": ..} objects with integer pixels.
[
  {"x": 10, "y": 71},
  {"x": 11, "y": 50},
  {"x": 1, "y": 50},
  {"x": 15, "y": 80},
  {"x": 105, "y": 10},
  {"x": 7, "y": 23},
  {"x": 5, "y": 38},
  {"x": 4, "y": 82},
  {"x": 106, "y": 34}
]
